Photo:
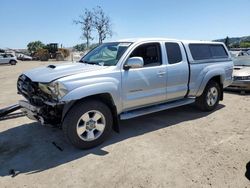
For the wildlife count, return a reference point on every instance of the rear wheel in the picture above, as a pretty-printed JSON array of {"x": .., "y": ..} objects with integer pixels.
[
  {"x": 210, "y": 97},
  {"x": 12, "y": 62},
  {"x": 88, "y": 124}
]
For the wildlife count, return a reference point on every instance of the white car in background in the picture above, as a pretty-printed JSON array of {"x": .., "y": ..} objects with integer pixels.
[
  {"x": 240, "y": 53},
  {"x": 241, "y": 73},
  {"x": 7, "y": 59}
]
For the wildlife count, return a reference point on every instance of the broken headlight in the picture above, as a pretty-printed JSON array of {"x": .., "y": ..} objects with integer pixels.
[{"x": 56, "y": 89}]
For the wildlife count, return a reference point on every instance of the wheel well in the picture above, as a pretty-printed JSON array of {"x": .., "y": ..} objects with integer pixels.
[
  {"x": 218, "y": 80},
  {"x": 107, "y": 99}
]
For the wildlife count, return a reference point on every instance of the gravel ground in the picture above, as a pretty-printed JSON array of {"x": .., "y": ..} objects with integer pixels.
[{"x": 181, "y": 147}]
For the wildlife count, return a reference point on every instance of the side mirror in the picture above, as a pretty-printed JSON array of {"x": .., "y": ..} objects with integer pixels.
[{"x": 134, "y": 62}]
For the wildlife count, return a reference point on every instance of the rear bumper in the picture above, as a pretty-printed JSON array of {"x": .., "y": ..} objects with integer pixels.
[{"x": 243, "y": 85}]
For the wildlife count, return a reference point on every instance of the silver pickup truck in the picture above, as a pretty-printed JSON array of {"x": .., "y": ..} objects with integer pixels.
[{"x": 122, "y": 80}]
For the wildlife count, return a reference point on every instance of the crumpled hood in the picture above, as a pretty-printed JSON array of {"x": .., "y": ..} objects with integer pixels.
[
  {"x": 54, "y": 72},
  {"x": 241, "y": 71}
]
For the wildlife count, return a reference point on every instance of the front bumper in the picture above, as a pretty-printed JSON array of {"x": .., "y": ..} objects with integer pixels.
[
  {"x": 31, "y": 111},
  {"x": 46, "y": 113},
  {"x": 243, "y": 85}
]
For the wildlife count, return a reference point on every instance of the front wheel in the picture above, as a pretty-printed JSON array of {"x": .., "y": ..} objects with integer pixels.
[
  {"x": 88, "y": 124},
  {"x": 210, "y": 97}
]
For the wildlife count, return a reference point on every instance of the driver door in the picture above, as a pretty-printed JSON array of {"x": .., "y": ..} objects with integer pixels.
[{"x": 147, "y": 85}]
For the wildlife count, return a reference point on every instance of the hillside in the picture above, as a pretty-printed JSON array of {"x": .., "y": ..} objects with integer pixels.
[{"x": 236, "y": 41}]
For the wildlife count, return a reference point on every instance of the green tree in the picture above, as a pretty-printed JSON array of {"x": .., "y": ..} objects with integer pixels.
[
  {"x": 245, "y": 44},
  {"x": 80, "y": 47},
  {"x": 34, "y": 46},
  {"x": 227, "y": 41},
  {"x": 234, "y": 45}
]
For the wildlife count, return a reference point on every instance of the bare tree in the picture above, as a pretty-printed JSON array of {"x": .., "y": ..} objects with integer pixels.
[
  {"x": 102, "y": 24},
  {"x": 86, "y": 22}
]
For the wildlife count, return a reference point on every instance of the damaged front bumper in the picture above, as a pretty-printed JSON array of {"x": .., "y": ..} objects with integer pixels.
[
  {"x": 31, "y": 111},
  {"x": 39, "y": 105},
  {"x": 46, "y": 114}
]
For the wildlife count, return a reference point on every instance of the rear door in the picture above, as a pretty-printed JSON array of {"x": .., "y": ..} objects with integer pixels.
[
  {"x": 147, "y": 85},
  {"x": 2, "y": 59},
  {"x": 177, "y": 71},
  {"x": 8, "y": 57}
]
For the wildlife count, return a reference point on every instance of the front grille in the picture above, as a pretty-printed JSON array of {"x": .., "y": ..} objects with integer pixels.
[
  {"x": 26, "y": 87},
  {"x": 31, "y": 91},
  {"x": 241, "y": 77}
]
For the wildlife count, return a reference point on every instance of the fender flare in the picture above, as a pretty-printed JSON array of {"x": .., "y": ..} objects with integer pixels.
[
  {"x": 90, "y": 91},
  {"x": 209, "y": 75}
]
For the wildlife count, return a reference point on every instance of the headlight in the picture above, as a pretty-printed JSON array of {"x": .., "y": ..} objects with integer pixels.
[{"x": 56, "y": 89}]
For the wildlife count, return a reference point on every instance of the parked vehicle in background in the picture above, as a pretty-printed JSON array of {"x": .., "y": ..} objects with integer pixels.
[
  {"x": 240, "y": 53},
  {"x": 241, "y": 74},
  {"x": 122, "y": 80},
  {"x": 51, "y": 51},
  {"x": 8, "y": 59},
  {"x": 24, "y": 57}
]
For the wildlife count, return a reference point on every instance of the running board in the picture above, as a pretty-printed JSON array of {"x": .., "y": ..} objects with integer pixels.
[{"x": 155, "y": 108}]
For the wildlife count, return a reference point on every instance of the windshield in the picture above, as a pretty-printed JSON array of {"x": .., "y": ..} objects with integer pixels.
[{"x": 107, "y": 54}]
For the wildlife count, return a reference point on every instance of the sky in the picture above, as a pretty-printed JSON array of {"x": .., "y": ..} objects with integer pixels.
[{"x": 50, "y": 21}]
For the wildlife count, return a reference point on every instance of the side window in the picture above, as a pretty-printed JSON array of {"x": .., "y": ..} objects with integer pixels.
[
  {"x": 151, "y": 54},
  {"x": 200, "y": 51},
  {"x": 218, "y": 51},
  {"x": 173, "y": 52},
  {"x": 207, "y": 51},
  {"x": 9, "y": 55}
]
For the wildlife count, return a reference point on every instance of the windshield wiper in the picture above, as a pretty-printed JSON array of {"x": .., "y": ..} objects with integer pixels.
[{"x": 90, "y": 63}]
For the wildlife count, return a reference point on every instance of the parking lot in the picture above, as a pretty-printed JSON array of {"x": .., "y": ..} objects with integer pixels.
[{"x": 181, "y": 147}]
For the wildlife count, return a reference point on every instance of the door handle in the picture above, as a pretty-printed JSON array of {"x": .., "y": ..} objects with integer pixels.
[{"x": 161, "y": 73}]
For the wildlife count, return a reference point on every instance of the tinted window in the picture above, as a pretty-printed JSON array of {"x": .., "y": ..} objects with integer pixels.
[
  {"x": 218, "y": 51},
  {"x": 200, "y": 51},
  {"x": 173, "y": 52},
  {"x": 207, "y": 51},
  {"x": 151, "y": 54},
  {"x": 9, "y": 55}
]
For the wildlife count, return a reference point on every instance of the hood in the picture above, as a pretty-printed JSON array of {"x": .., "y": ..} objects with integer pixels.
[
  {"x": 54, "y": 72},
  {"x": 241, "y": 71}
]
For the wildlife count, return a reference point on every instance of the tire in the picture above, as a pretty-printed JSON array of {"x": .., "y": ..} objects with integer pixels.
[
  {"x": 59, "y": 57},
  {"x": 210, "y": 97},
  {"x": 12, "y": 62},
  {"x": 44, "y": 57},
  {"x": 81, "y": 122}
]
